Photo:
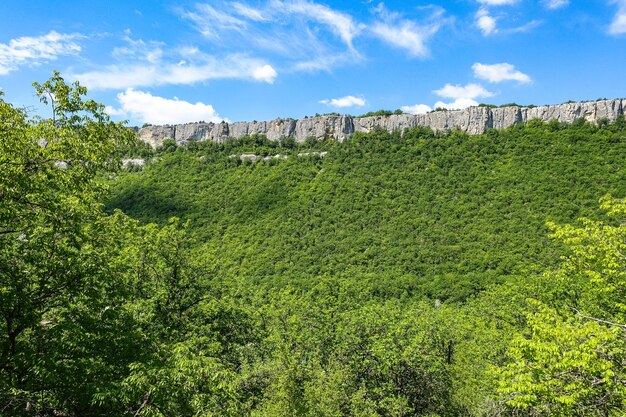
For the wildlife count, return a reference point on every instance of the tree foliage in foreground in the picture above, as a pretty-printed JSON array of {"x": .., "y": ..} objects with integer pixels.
[
  {"x": 570, "y": 360},
  {"x": 306, "y": 286},
  {"x": 58, "y": 253}
]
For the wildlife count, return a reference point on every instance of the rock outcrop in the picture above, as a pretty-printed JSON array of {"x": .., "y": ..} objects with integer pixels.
[{"x": 473, "y": 120}]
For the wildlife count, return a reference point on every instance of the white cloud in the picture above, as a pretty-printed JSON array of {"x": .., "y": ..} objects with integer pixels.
[
  {"x": 525, "y": 27},
  {"x": 210, "y": 21},
  {"x": 347, "y": 101},
  {"x": 458, "y": 104},
  {"x": 340, "y": 23},
  {"x": 139, "y": 49},
  {"x": 463, "y": 91},
  {"x": 496, "y": 73},
  {"x": 485, "y": 22},
  {"x": 488, "y": 24},
  {"x": 147, "y": 108},
  {"x": 249, "y": 12},
  {"x": 179, "y": 73},
  {"x": 406, "y": 34},
  {"x": 416, "y": 109},
  {"x": 35, "y": 50},
  {"x": 306, "y": 35},
  {"x": 497, "y": 2},
  {"x": 321, "y": 62},
  {"x": 555, "y": 4},
  {"x": 264, "y": 73},
  {"x": 618, "y": 25},
  {"x": 463, "y": 95}
]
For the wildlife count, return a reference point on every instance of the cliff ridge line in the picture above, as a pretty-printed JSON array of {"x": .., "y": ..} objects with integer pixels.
[{"x": 473, "y": 120}]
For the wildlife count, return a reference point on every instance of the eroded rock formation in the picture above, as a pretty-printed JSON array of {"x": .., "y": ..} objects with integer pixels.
[{"x": 473, "y": 120}]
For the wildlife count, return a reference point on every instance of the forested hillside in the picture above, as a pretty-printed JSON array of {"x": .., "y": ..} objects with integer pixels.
[
  {"x": 438, "y": 215},
  {"x": 416, "y": 275}
]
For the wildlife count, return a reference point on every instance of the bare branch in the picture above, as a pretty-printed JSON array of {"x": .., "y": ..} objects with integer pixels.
[{"x": 579, "y": 314}]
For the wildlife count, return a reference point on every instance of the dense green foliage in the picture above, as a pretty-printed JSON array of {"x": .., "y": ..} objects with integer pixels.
[
  {"x": 424, "y": 274},
  {"x": 422, "y": 214}
]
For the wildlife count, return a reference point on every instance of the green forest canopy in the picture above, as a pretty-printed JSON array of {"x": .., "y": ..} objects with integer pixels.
[{"x": 396, "y": 275}]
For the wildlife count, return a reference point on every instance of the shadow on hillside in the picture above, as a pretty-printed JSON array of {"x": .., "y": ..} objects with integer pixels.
[{"x": 146, "y": 203}]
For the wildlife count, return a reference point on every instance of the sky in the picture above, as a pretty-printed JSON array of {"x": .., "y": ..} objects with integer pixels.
[{"x": 166, "y": 62}]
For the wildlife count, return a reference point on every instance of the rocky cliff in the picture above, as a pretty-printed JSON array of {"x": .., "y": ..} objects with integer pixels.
[{"x": 473, "y": 120}]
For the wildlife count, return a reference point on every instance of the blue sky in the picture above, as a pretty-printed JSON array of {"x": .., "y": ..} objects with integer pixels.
[{"x": 181, "y": 61}]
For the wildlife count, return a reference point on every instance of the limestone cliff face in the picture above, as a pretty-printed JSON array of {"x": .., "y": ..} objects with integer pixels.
[{"x": 473, "y": 120}]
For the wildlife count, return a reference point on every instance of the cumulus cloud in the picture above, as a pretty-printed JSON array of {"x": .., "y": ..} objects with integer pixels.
[
  {"x": 496, "y": 73},
  {"x": 485, "y": 22},
  {"x": 347, "y": 101},
  {"x": 618, "y": 25},
  {"x": 416, "y": 109},
  {"x": 458, "y": 104},
  {"x": 264, "y": 73},
  {"x": 463, "y": 91},
  {"x": 143, "y": 74},
  {"x": 147, "y": 108},
  {"x": 462, "y": 95},
  {"x": 404, "y": 33},
  {"x": 36, "y": 50}
]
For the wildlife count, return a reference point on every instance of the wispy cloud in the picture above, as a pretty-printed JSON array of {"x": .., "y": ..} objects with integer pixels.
[
  {"x": 145, "y": 107},
  {"x": 249, "y": 12},
  {"x": 304, "y": 35},
  {"x": 485, "y": 22},
  {"x": 555, "y": 4},
  {"x": 496, "y": 73},
  {"x": 211, "y": 22},
  {"x": 339, "y": 23},
  {"x": 488, "y": 23},
  {"x": 36, "y": 50},
  {"x": 147, "y": 64},
  {"x": 347, "y": 101},
  {"x": 497, "y": 2},
  {"x": 618, "y": 25},
  {"x": 406, "y": 34},
  {"x": 321, "y": 62},
  {"x": 527, "y": 27},
  {"x": 138, "y": 49},
  {"x": 121, "y": 76}
]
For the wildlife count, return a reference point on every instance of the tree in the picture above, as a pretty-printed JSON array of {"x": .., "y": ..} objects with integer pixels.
[
  {"x": 570, "y": 360},
  {"x": 60, "y": 255}
]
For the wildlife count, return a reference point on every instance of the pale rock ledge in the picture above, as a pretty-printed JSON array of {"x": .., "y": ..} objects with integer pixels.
[{"x": 473, "y": 120}]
